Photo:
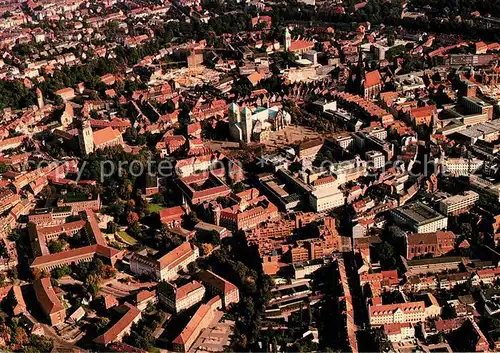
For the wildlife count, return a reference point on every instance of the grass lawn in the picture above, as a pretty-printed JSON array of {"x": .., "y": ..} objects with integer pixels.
[
  {"x": 127, "y": 238},
  {"x": 155, "y": 207}
]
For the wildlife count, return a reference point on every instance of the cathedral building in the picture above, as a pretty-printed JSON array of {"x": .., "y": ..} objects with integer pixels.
[{"x": 256, "y": 124}]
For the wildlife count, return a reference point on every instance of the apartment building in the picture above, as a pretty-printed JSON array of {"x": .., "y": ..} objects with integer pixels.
[
  {"x": 458, "y": 204},
  {"x": 345, "y": 141},
  {"x": 375, "y": 159},
  {"x": 411, "y": 312},
  {"x": 461, "y": 166}
]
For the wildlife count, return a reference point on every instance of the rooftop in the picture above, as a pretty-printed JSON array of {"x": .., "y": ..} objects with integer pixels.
[{"x": 418, "y": 213}]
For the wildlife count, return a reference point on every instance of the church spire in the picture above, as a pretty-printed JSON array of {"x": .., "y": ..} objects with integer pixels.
[{"x": 360, "y": 72}]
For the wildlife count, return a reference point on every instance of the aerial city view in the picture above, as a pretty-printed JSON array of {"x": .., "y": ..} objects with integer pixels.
[{"x": 249, "y": 176}]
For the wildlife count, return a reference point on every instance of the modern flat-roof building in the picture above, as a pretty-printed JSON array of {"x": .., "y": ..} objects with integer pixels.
[
  {"x": 419, "y": 218},
  {"x": 208, "y": 227},
  {"x": 486, "y": 189},
  {"x": 375, "y": 159},
  {"x": 461, "y": 166},
  {"x": 433, "y": 265},
  {"x": 326, "y": 199},
  {"x": 457, "y": 204}
]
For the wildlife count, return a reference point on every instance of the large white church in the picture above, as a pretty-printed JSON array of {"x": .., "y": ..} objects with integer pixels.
[{"x": 256, "y": 124}]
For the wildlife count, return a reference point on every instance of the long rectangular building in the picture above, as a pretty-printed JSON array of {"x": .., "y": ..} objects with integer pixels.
[
  {"x": 166, "y": 267},
  {"x": 219, "y": 286},
  {"x": 419, "y": 218},
  {"x": 49, "y": 302},
  {"x": 457, "y": 204},
  {"x": 411, "y": 312}
]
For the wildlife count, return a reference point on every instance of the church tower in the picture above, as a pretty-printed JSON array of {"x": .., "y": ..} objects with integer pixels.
[
  {"x": 39, "y": 99},
  {"x": 67, "y": 115},
  {"x": 86, "y": 138},
  {"x": 234, "y": 113},
  {"x": 247, "y": 124},
  {"x": 360, "y": 74},
  {"x": 288, "y": 39}
]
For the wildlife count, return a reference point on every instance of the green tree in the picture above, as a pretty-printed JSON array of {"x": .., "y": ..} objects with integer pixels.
[
  {"x": 93, "y": 284},
  {"x": 386, "y": 255},
  {"x": 56, "y": 246},
  {"x": 62, "y": 271},
  {"x": 238, "y": 187}
]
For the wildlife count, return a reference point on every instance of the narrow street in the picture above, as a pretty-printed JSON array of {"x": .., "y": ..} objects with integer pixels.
[{"x": 358, "y": 300}]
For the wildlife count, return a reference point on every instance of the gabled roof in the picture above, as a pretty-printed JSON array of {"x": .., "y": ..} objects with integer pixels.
[
  {"x": 105, "y": 135},
  {"x": 372, "y": 78},
  {"x": 125, "y": 321},
  {"x": 177, "y": 255},
  {"x": 216, "y": 281},
  {"x": 46, "y": 296}
]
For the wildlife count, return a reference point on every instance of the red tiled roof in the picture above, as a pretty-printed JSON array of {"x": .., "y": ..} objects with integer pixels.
[
  {"x": 192, "y": 325},
  {"x": 171, "y": 213},
  {"x": 301, "y": 45},
  {"x": 46, "y": 296},
  {"x": 124, "y": 322},
  {"x": 216, "y": 281},
  {"x": 395, "y": 328},
  {"x": 254, "y": 78},
  {"x": 105, "y": 135},
  {"x": 429, "y": 238},
  {"x": 448, "y": 324},
  {"x": 381, "y": 310},
  {"x": 422, "y": 112},
  {"x": 193, "y": 128},
  {"x": 66, "y": 227},
  {"x": 144, "y": 295},
  {"x": 75, "y": 253},
  {"x": 93, "y": 228},
  {"x": 372, "y": 78},
  {"x": 186, "y": 289},
  {"x": 177, "y": 255}
]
